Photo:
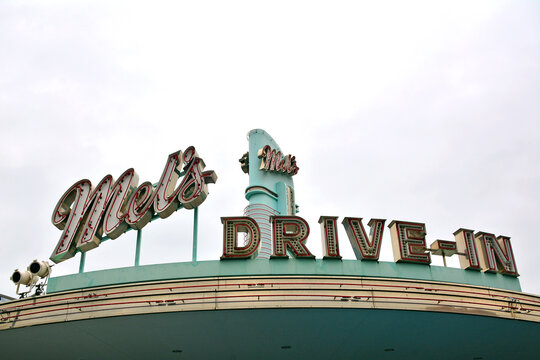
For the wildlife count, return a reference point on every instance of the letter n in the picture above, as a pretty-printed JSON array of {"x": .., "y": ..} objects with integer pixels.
[{"x": 493, "y": 258}]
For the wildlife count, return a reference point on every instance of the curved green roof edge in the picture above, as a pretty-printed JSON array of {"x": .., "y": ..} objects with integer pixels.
[{"x": 202, "y": 269}]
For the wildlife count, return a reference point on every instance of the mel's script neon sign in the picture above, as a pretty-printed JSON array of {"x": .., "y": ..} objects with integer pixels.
[{"x": 86, "y": 213}]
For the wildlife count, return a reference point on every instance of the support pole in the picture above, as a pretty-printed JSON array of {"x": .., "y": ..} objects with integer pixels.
[
  {"x": 81, "y": 264},
  {"x": 195, "y": 233},
  {"x": 138, "y": 247}
]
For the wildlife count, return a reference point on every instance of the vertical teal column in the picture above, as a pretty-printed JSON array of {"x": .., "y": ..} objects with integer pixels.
[
  {"x": 195, "y": 233},
  {"x": 269, "y": 193},
  {"x": 138, "y": 247},
  {"x": 81, "y": 264}
]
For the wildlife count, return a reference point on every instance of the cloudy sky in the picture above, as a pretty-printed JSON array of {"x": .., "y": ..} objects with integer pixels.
[{"x": 424, "y": 111}]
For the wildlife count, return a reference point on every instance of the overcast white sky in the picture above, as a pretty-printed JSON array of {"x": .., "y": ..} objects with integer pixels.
[{"x": 424, "y": 111}]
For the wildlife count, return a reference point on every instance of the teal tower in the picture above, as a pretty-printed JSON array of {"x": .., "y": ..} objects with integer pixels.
[{"x": 271, "y": 188}]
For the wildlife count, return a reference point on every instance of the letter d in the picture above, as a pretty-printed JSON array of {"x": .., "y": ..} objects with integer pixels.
[{"x": 231, "y": 227}]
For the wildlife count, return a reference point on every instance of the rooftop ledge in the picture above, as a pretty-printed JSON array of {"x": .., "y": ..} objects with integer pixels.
[{"x": 217, "y": 268}]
